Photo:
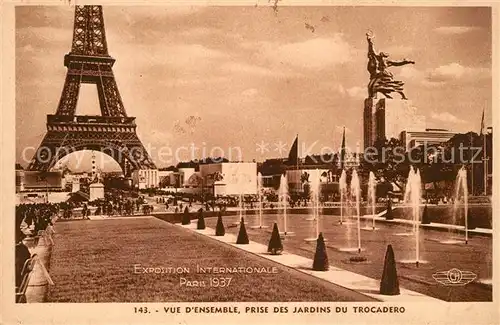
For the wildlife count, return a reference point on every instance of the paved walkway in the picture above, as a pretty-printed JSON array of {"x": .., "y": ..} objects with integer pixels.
[{"x": 353, "y": 281}]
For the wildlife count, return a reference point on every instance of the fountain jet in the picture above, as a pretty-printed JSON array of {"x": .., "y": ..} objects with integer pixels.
[
  {"x": 371, "y": 195},
  {"x": 315, "y": 194},
  {"x": 461, "y": 198},
  {"x": 283, "y": 197},
  {"x": 413, "y": 194},
  {"x": 371, "y": 200},
  {"x": 259, "y": 194},
  {"x": 356, "y": 192},
  {"x": 343, "y": 190}
]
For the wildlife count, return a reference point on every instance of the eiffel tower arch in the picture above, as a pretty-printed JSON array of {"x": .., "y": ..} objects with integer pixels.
[{"x": 112, "y": 132}]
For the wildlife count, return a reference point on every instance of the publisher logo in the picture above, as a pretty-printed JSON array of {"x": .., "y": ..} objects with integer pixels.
[{"x": 454, "y": 277}]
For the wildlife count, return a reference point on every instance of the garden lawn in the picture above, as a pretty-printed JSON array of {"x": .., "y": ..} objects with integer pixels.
[{"x": 93, "y": 261}]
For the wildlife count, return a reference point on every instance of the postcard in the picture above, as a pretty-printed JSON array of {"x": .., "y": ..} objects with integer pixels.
[{"x": 249, "y": 162}]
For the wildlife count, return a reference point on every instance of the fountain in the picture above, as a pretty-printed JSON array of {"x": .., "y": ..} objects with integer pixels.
[
  {"x": 240, "y": 208},
  {"x": 311, "y": 185},
  {"x": 355, "y": 191},
  {"x": 342, "y": 188},
  {"x": 460, "y": 199},
  {"x": 413, "y": 194},
  {"x": 315, "y": 191},
  {"x": 283, "y": 198},
  {"x": 416, "y": 196},
  {"x": 408, "y": 199},
  {"x": 462, "y": 180},
  {"x": 259, "y": 193},
  {"x": 486, "y": 278},
  {"x": 371, "y": 200},
  {"x": 343, "y": 196}
]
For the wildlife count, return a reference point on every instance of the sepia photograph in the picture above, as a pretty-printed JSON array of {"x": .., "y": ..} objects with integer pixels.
[{"x": 257, "y": 159}]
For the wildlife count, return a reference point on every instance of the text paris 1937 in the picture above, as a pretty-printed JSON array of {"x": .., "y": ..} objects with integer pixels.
[{"x": 214, "y": 282}]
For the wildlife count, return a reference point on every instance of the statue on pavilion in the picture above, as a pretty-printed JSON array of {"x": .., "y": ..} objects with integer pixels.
[{"x": 382, "y": 80}]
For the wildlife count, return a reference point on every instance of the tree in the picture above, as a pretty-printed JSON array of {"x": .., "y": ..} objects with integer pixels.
[
  {"x": 465, "y": 148},
  {"x": 219, "y": 228},
  {"x": 201, "y": 220},
  {"x": 186, "y": 220},
  {"x": 387, "y": 159},
  {"x": 320, "y": 257},
  {"x": 383, "y": 188},
  {"x": 389, "y": 285},
  {"x": 275, "y": 246},
  {"x": 242, "y": 235}
]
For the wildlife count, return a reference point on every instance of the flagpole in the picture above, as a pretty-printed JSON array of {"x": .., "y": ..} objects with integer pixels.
[
  {"x": 297, "y": 160},
  {"x": 342, "y": 151},
  {"x": 485, "y": 163},
  {"x": 472, "y": 165},
  {"x": 485, "y": 166}
]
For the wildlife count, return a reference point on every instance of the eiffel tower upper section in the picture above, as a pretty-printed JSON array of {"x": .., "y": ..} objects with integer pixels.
[{"x": 89, "y": 62}]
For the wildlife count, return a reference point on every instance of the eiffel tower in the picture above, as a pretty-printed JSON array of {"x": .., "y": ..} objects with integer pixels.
[{"x": 112, "y": 132}]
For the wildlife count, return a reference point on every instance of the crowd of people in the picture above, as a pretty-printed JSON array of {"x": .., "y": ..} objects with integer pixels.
[
  {"x": 31, "y": 218},
  {"x": 120, "y": 205}
]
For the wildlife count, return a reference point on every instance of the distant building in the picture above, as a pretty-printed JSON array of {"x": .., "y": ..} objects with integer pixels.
[
  {"x": 413, "y": 139},
  {"x": 299, "y": 179},
  {"x": 351, "y": 160},
  {"x": 165, "y": 178},
  {"x": 145, "y": 178},
  {"x": 186, "y": 176},
  {"x": 271, "y": 171},
  {"x": 394, "y": 118},
  {"x": 229, "y": 178},
  {"x": 38, "y": 181},
  {"x": 115, "y": 174},
  {"x": 19, "y": 178},
  {"x": 176, "y": 177},
  {"x": 74, "y": 177}
]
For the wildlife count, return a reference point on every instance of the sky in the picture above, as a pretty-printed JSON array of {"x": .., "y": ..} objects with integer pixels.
[{"x": 244, "y": 81}]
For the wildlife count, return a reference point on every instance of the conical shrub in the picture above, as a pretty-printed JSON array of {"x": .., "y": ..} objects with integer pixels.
[
  {"x": 219, "y": 228},
  {"x": 201, "y": 220},
  {"x": 388, "y": 214},
  {"x": 242, "y": 235},
  {"x": 186, "y": 220},
  {"x": 425, "y": 216},
  {"x": 389, "y": 285},
  {"x": 320, "y": 257},
  {"x": 275, "y": 246}
]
